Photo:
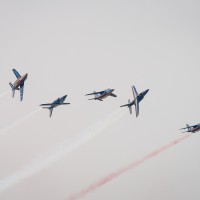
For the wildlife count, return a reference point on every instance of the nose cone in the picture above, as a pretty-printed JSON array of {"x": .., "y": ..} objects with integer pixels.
[
  {"x": 146, "y": 91},
  {"x": 112, "y": 90},
  {"x": 64, "y": 97},
  {"x": 25, "y": 76}
]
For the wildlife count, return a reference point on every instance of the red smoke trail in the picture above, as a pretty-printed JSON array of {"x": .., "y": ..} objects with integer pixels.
[{"x": 121, "y": 171}]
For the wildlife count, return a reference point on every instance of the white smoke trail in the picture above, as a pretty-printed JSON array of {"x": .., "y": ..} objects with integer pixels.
[
  {"x": 62, "y": 150},
  {"x": 11, "y": 126},
  {"x": 4, "y": 94}
]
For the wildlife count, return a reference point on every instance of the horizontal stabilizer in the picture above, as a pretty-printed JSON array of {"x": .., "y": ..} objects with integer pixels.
[
  {"x": 128, "y": 104},
  {"x": 11, "y": 85},
  {"x": 46, "y": 104},
  {"x": 13, "y": 89},
  {"x": 124, "y": 105},
  {"x": 130, "y": 107}
]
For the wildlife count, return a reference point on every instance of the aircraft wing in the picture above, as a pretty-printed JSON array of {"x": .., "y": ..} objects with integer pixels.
[
  {"x": 136, "y": 107},
  {"x": 113, "y": 95},
  {"x": 21, "y": 91},
  {"x": 16, "y": 73},
  {"x": 135, "y": 95}
]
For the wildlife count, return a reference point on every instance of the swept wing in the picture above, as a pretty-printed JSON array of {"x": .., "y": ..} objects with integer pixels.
[
  {"x": 130, "y": 107},
  {"x": 21, "y": 91},
  {"x": 16, "y": 73},
  {"x": 135, "y": 95}
]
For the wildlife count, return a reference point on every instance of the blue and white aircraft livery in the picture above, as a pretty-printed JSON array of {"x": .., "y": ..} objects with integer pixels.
[
  {"x": 136, "y": 100},
  {"x": 54, "y": 104},
  {"x": 191, "y": 129},
  {"x": 102, "y": 94},
  {"x": 19, "y": 83}
]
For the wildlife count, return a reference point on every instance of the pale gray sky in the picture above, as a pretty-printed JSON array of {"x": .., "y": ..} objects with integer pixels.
[{"x": 75, "y": 47}]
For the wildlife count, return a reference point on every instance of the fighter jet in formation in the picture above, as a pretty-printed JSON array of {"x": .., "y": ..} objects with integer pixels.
[
  {"x": 54, "y": 104},
  {"x": 19, "y": 83},
  {"x": 136, "y": 100},
  {"x": 102, "y": 94},
  {"x": 191, "y": 129}
]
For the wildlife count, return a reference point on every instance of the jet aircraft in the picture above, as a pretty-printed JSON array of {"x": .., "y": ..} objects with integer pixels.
[
  {"x": 54, "y": 104},
  {"x": 136, "y": 100},
  {"x": 102, "y": 94},
  {"x": 191, "y": 129},
  {"x": 18, "y": 84}
]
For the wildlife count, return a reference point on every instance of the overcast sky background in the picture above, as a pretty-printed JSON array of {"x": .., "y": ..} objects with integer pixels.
[{"x": 76, "y": 47}]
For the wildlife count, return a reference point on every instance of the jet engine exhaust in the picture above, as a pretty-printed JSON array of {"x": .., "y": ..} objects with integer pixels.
[{"x": 123, "y": 170}]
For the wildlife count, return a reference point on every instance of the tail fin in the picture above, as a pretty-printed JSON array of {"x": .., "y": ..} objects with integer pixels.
[
  {"x": 130, "y": 107},
  {"x": 13, "y": 89},
  {"x": 188, "y": 126},
  {"x": 50, "y": 111}
]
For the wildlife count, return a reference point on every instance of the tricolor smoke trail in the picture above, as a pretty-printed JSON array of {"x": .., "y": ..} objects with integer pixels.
[
  {"x": 123, "y": 170},
  {"x": 14, "y": 124},
  {"x": 62, "y": 150}
]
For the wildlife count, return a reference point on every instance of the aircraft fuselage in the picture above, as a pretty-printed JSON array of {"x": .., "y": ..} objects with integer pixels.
[
  {"x": 20, "y": 81},
  {"x": 139, "y": 97},
  {"x": 105, "y": 94},
  {"x": 58, "y": 101}
]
